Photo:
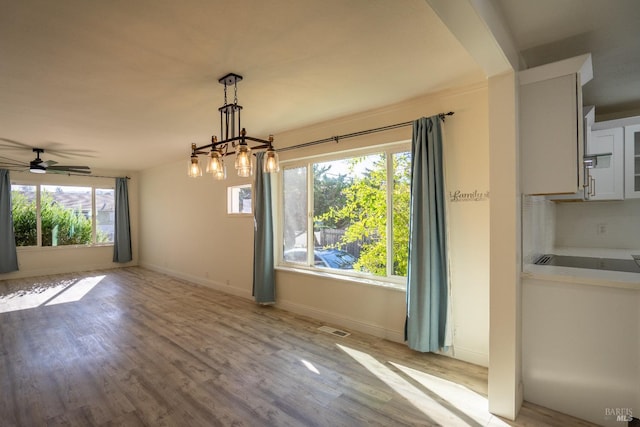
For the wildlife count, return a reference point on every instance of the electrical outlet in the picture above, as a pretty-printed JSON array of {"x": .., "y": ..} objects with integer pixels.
[{"x": 601, "y": 228}]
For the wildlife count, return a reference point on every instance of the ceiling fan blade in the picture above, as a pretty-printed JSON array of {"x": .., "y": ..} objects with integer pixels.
[
  {"x": 5, "y": 161},
  {"x": 70, "y": 172},
  {"x": 9, "y": 159},
  {"x": 51, "y": 147},
  {"x": 14, "y": 145},
  {"x": 48, "y": 163},
  {"x": 58, "y": 149},
  {"x": 62, "y": 167},
  {"x": 16, "y": 169},
  {"x": 11, "y": 166},
  {"x": 71, "y": 169}
]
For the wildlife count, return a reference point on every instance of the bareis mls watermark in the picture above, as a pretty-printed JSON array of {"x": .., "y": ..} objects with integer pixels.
[{"x": 618, "y": 414}]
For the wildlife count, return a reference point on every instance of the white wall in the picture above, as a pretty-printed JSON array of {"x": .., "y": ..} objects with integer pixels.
[
  {"x": 505, "y": 368},
  {"x": 581, "y": 348},
  {"x": 186, "y": 232},
  {"x": 538, "y": 227},
  {"x": 54, "y": 260},
  {"x": 580, "y": 224}
]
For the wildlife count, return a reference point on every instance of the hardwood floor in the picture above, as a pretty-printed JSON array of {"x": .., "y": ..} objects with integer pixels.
[{"x": 133, "y": 347}]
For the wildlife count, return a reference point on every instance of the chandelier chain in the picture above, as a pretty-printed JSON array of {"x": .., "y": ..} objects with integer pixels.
[{"x": 235, "y": 92}]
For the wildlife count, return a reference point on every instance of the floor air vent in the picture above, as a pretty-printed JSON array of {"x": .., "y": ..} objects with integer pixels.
[
  {"x": 334, "y": 331},
  {"x": 543, "y": 260}
]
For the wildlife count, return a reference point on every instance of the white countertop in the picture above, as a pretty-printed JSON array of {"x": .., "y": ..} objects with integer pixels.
[
  {"x": 596, "y": 252},
  {"x": 607, "y": 278}
]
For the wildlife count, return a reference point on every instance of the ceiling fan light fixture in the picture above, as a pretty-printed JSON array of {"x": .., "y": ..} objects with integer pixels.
[{"x": 37, "y": 168}]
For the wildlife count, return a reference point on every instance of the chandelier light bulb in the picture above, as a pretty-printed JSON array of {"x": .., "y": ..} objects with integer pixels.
[
  {"x": 215, "y": 164},
  {"x": 220, "y": 174},
  {"x": 271, "y": 163},
  {"x": 194, "y": 167},
  {"x": 244, "y": 165},
  {"x": 245, "y": 172}
]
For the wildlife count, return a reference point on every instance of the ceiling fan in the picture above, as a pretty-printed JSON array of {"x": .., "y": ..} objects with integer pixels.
[{"x": 38, "y": 165}]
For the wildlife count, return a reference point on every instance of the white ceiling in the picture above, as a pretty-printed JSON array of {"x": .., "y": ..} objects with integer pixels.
[
  {"x": 130, "y": 84},
  {"x": 550, "y": 30}
]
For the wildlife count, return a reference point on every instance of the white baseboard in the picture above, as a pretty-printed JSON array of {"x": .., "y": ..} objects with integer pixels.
[
  {"x": 342, "y": 321},
  {"x": 218, "y": 286},
  {"x": 467, "y": 355},
  {"x": 48, "y": 271}
]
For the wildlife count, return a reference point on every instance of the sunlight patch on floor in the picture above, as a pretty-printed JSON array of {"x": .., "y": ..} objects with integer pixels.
[
  {"x": 468, "y": 401},
  {"x": 47, "y": 293},
  {"x": 310, "y": 366},
  {"x": 442, "y": 401},
  {"x": 77, "y": 291}
]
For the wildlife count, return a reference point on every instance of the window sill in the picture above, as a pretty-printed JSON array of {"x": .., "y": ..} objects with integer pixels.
[
  {"x": 393, "y": 285},
  {"x": 56, "y": 248}
]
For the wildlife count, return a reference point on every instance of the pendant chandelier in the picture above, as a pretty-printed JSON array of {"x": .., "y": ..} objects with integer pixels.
[{"x": 234, "y": 139}]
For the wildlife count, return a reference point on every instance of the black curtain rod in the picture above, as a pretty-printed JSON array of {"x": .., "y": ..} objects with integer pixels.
[
  {"x": 95, "y": 176},
  {"x": 114, "y": 177},
  {"x": 336, "y": 139}
]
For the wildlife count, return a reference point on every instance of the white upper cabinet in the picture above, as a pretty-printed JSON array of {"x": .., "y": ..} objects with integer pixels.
[
  {"x": 551, "y": 126},
  {"x": 632, "y": 161},
  {"x": 626, "y": 166},
  {"x": 607, "y": 183}
]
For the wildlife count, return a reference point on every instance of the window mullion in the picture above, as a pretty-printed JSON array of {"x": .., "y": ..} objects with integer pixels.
[
  {"x": 93, "y": 215},
  {"x": 38, "y": 216},
  {"x": 310, "y": 235},
  {"x": 389, "y": 196}
]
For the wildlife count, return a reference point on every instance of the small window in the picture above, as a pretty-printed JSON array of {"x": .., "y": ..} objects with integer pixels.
[{"x": 239, "y": 199}]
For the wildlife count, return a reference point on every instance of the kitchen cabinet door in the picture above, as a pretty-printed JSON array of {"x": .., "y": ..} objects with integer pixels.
[
  {"x": 551, "y": 136},
  {"x": 632, "y": 161},
  {"x": 607, "y": 183}
]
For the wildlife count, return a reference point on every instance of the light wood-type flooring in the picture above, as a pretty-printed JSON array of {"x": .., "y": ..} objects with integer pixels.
[{"x": 133, "y": 347}]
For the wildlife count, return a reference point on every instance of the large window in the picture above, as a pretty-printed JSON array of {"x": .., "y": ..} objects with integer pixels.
[
  {"x": 54, "y": 215},
  {"x": 342, "y": 214}
]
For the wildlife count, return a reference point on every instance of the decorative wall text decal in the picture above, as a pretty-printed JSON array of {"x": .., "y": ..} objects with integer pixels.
[{"x": 475, "y": 196}]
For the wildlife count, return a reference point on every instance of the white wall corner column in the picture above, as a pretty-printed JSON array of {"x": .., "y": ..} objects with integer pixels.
[
  {"x": 481, "y": 28},
  {"x": 505, "y": 367}
]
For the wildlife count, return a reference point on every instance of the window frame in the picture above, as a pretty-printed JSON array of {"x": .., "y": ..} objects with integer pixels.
[
  {"x": 230, "y": 189},
  {"x": 38, "y": 199},
  {"x": 389, "y": 149}
]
